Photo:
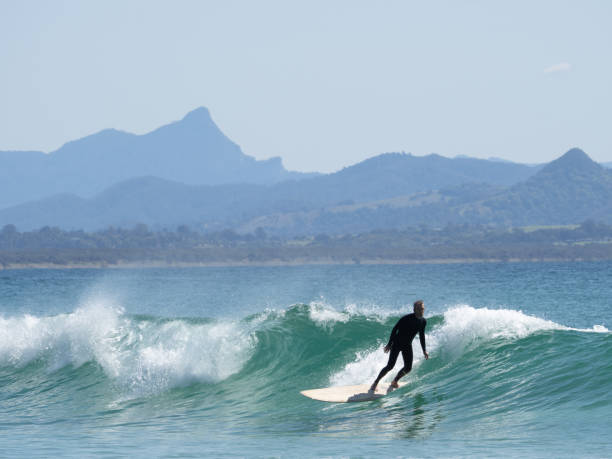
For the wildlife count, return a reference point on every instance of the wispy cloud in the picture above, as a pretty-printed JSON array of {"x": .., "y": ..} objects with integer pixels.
[{"x": 560, "y": 67}]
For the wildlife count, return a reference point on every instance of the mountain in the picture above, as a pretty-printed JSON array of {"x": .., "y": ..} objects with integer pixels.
[
  {"x": 192, "y": 151},
  {"x": 162, "y": 203},
  {"x": 387, "y": 191},
  {"x": 570, "y": 189},
  {"x": 398, "y": 174}
]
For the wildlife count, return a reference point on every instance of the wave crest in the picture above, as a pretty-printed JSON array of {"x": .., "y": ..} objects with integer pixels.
[{"x": 144, "y": 356}]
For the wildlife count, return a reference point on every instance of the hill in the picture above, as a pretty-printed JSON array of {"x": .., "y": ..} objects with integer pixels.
[
  {"x": 164, "y": 203},
  {"x": 397, "y": 174},
  {"x": 570, "y": 189}
]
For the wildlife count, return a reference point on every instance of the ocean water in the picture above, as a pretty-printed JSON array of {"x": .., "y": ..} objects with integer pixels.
[{"x": 210, "y": 361}]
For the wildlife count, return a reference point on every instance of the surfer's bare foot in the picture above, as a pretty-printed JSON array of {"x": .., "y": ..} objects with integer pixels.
[
  {"x": 394, "y": 384},
  {"x": 372, "y": 388}
]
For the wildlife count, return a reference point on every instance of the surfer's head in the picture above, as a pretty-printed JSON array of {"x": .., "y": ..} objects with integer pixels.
[{"x": 419, "y": 308}]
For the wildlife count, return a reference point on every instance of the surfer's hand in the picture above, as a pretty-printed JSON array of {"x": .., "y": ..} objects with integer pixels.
[
  {"x": 387, "y": 348},
  {"x": 426, "y": 355}
]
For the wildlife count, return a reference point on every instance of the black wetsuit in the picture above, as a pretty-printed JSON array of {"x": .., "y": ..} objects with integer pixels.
[{"x": 401, "y": 341}]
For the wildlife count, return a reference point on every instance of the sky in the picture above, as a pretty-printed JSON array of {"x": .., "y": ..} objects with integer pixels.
[{"x": 322, "y": 84}]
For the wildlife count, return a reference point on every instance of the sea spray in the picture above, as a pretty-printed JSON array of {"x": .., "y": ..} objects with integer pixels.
[
  {"x": 84, "y": 335},
  {"x": 177, "y": 353}
]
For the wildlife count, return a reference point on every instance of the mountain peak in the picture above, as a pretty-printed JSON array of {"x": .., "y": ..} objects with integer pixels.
[
  {"x": 574, "y": 159},
  {"x": 199, "y": 115},
  {"x": 575, "y": 154}
]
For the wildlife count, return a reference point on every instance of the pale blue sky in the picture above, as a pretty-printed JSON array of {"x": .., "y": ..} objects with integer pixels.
[{"x": 323, "y": 84}]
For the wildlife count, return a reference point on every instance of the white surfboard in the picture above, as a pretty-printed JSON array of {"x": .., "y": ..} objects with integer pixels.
[{"x": 342, "y": 394}]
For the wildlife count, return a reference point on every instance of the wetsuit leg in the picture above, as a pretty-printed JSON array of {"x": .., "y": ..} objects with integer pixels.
[
  {"x": 393, "y": 353},
  {"x": 407, "y": 356}
]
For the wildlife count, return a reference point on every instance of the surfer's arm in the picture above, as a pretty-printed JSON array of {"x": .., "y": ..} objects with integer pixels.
[
  {"x": 390, "y": 343},
  {"x": 422, "y": 340}
]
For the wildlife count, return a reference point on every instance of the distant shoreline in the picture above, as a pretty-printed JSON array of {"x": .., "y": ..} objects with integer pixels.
[
  {"x": 139, "y": 248},
  {"x": 282, "y": 263}
]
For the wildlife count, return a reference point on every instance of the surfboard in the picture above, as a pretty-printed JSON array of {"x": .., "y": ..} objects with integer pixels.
[{"x": 343, "y": 394}]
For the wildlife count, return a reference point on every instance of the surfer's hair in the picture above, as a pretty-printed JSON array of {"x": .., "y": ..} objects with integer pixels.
[{"x": 417, "y": 304}]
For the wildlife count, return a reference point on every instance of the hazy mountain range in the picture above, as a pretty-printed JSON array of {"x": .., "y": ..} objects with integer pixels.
[
  {"x": 192, "y": 151},
  {"x": 188, "y": 172}
]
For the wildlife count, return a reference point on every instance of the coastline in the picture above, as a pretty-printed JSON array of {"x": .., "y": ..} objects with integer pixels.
[{"x": 288, "y": 263}]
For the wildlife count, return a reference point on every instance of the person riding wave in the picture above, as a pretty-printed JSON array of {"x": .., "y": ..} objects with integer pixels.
[{"x": 401, "y": 341}]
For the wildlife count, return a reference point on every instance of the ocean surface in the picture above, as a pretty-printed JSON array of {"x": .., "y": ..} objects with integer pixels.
[{"x": 210, "y": 361}]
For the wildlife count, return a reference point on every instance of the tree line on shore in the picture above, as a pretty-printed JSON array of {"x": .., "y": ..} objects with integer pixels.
[{"x": 114, "y": 246}]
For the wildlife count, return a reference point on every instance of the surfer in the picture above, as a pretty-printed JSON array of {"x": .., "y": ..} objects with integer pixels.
[{"x": 401, "y": 341}]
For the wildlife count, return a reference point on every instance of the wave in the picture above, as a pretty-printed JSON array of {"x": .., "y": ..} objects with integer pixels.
[
  {"x": 302, "y": 346},
  {"x": 142, "y": 355}
]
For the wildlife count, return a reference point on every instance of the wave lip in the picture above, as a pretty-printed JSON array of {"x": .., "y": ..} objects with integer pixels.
[
  {"x": 324, "y": 314},
  {"x": 464, "y": 325}
]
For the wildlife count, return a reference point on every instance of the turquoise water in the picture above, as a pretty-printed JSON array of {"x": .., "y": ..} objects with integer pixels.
[{"x": 210, "y": 361}]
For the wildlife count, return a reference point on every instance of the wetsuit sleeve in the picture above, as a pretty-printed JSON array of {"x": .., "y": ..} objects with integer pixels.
[
  {"x": 422, "y": 336},
  {"x": 390, "y": 343}
]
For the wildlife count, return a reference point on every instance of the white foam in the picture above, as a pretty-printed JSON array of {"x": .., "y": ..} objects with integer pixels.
[
  {"x": 75, "y": 338},
  {"x": 323, "y": 314},
  {"x": 178, "y": 353},
  {"x": 464, "y": 325},
  {"x": 326, "y": 315},
  {"x": 368, "y": 363},
  {"x": 143, "y": 356},
  {"x": 375, "y": 312}
]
